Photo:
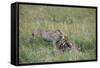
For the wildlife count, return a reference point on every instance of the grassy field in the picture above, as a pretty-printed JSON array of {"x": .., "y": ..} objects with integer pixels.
[{"x": 79, "y": 24}]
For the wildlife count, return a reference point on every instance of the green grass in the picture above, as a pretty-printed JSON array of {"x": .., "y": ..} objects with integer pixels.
[{"x": 79, "y": 24}]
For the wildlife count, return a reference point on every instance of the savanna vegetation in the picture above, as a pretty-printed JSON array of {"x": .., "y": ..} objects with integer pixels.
[{"x": 79, "y": 24}]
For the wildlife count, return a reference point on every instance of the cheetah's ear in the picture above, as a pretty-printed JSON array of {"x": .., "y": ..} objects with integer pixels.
[
  {"x": 61, "y": 32},
  {"x": 66, "y": 37}
]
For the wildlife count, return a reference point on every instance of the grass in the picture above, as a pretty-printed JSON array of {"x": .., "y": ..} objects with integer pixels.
[{"x": 79, "y": 24}]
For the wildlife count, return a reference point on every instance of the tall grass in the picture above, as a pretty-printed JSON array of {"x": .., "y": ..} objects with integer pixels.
[{"x": 79, "y": 24}]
